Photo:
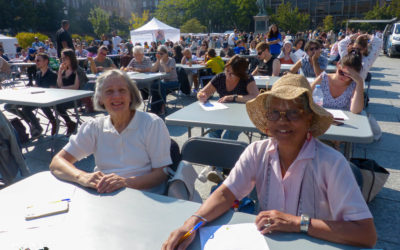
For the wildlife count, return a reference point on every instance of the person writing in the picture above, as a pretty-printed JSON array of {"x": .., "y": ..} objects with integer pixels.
[
  {"x": 302, "y": 184},
  {"x": 233, "y": 85},
  {"x": 130, "y": 147}
]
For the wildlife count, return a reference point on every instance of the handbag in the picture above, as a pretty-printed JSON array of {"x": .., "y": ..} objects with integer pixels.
[{"x": 373, "y": 175}]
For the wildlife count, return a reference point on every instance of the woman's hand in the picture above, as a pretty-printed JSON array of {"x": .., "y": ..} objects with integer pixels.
[
  {"x": 172, "y": 242},
  {"x": 158, "y": 57},
  {"x": 274, "y": 220},
  {"x": 90, "y": 179},
  {"x": 110, "y": 183},
  {"x": 227, "y": 98},
  {"x": 63, "y": 67},
  {"x": 202, "y": 97},
  {"x": 354, "y": 75},
  {"x": 316, "y": 55}
]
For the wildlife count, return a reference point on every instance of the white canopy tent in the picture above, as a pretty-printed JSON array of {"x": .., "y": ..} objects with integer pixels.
[
  {"x": 8, "y": 45},
  {"x": 155, "y": 30}
]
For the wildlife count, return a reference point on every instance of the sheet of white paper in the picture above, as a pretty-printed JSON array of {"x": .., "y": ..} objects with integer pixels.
[
  {"x": 261, "y": 77},
  {"x": 211, "y": 105},
  {"x": 299, "y": 54},
  {"x": 232, "y": 237},
  {"x": 338, "y": 114}
]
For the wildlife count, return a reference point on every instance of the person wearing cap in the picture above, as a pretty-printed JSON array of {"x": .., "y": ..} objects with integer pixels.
[
  {"x": 303, "y": 185},
  {"x": 31, "y": 70},
  {"x": 37, "y": 44},
  {"x": 286, "y": 56},
  {"x": 267, "y": 64}
]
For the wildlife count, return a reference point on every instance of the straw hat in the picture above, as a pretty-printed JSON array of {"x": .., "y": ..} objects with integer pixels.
[{"x": 289, "y": 87}]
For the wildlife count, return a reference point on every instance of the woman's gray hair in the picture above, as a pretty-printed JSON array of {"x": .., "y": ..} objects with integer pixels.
[
  {"x": 136, "y": 99},
  {"x": 163, "y": 49},
  {"x": 138, "y": 50}
]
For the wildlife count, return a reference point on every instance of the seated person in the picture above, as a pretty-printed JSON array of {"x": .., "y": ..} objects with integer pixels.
[
  {"x": 31, "y": 70},
  {"x": 202, "y": 50},
  {"x": 101, "y": 62},
  {"x": 139, "y": 62},
  {"x": 177, "y": 53},
  {"x": 214, "y": 62},
  {"x": 233, "y": 85},
  {"x": 302, "y": 184},
  {"x": 361, "y": 43},
  {"x": 80, "y": 51},
  {"x": 226, "y": 51},
  {"x": 239, "y": 49},
  {"x": 312, "y": 63},
  {"x": 345, "y": 88},
  {"x": 4, "y": 56},
  {"x": 189, "y": 59},
  {"x": 45, "y": 78},
  {"x": 127, "y": 55},
  {"x": 68, "y": 79},
  {"x": 5, "y": 70},
  {"x": 52, "y": 51},
  {"x": 286, "y": 56},
  {"x": 130, "y": 147},
  {"x": 165, "y": 64},
  {"x": 267, "y": 64},
  {"x": 298, "y": 49}
]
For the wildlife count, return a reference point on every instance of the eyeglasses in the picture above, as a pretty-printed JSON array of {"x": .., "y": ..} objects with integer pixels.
[
  {"x": 291, "y": 115},
  {"x": 160, "y": 53},
  {"x": 259, "y": 53},
  {"x": 313, "y": 48}
]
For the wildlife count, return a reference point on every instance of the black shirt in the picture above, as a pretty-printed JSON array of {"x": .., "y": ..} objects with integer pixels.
[
  {"x": 265, "y": 68},
  {"x": 68, "y": 80},
  {"x": 49, "y": 79},
  {"x": 219, "y": 82},
  {"x": 63, "y": 36}
]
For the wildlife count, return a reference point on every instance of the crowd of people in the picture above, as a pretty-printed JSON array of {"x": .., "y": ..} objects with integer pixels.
[{"x": 314, "y": 190}]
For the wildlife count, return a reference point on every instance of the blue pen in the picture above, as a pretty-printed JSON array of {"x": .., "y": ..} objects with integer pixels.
[{"x": 190, "y": 232}]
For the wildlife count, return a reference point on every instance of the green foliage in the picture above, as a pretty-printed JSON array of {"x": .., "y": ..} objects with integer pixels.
[
  {"x": 328, "y": 23},
  {"x": 87, "y": 38},
  {"x": 119, "y": 24},
  {"x": 137, "y": 21},
  {"x": 216, "y": 15},
  {"x": 25, "y": 39},
  {"x": 193, "y": 26},
  {"x": 378, "y": 12},
  {"x": 288, "y": 18},
  {"x": 76, "y": 36},
  {"x": 99, "y": 19}
]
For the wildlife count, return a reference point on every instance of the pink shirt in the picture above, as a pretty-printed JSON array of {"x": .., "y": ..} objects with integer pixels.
[{"x": 319, "y": 182}]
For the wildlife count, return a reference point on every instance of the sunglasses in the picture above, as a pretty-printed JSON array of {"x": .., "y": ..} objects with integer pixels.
[
  {"x": 291, "y": 114},
  {"x": 259, "y": 53},
  {"x": 341, "y": 72},
  {"x": 313, "y": 48},
  {"x": 160, "y": 53}
]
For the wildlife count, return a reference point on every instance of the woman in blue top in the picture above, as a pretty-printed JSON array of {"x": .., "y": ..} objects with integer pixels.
[
  {"x": 274, "y": 39},
  {"x": 345, "y": 88}
]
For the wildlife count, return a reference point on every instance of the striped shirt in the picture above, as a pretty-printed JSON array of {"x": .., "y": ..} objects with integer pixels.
[
  {"x": 145, "y": 64},
  {"x": 308, "y": 69}
]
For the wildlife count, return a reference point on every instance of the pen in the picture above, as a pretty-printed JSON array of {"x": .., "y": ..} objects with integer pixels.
[
  {"x": 67, "y": 199},
  {"x": 37, "y": 92},
  {"x": 190, "y": 232},
  {"x": 338, "y": 118}
]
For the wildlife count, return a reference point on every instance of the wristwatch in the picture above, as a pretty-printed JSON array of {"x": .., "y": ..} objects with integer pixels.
[
  {"x": 234, "y": 98},
  {"x": 304, "y": 223}
]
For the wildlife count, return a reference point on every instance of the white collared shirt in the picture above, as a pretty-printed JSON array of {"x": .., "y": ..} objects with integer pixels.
[{"x": 143, "y": 145}]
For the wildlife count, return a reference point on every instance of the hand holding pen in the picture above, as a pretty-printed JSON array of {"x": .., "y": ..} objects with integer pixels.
[{"x": 190, "y": 232}]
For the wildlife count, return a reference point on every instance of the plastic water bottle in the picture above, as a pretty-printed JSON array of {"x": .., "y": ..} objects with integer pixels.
[{"x": 318, "y": 97}]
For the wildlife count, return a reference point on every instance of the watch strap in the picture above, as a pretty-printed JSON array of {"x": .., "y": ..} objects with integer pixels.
[{"x": 304, "y": 223}]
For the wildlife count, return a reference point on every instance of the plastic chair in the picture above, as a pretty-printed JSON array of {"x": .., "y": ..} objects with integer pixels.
[{"x": 212, "y": 151}]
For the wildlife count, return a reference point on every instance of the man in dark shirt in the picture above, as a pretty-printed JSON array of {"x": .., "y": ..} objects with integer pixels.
[
  {"x": 63, "y": 38},
  {"x": 4, "y": 56},
  {"x": 267, "y": 64},
  {"x": 45, "y": 78}
]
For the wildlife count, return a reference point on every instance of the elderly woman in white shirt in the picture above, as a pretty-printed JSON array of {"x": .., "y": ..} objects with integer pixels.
[
  {"x": 131, "y": 148},
  {"x": 302, "y": 184}
]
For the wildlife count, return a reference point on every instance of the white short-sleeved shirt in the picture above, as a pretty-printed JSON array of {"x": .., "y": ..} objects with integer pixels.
[
  {"x": 143, "y": 145},
  {"x": 319, "y": 182}
]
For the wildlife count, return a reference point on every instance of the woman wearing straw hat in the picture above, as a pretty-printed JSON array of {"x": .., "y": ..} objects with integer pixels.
[{"x": 302, "y": 184}]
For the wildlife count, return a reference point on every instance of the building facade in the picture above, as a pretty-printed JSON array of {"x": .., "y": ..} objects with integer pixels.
[
  {"x": 123, "y": 8},
  {"x": 319, "y": 9}
]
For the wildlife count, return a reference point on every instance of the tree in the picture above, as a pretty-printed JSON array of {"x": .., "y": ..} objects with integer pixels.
[
  {"x": 291, "y": 19},
  {"x": 136, "y": 21},
  {"x": 328, "y": 23},
  {"x": 100, "y": 21},
  {"x": 119, "y": 24},
  {"x": 48, "y": 15},
  {"x": 193, "y": 26},
  {"x": 172, "y": 12}
]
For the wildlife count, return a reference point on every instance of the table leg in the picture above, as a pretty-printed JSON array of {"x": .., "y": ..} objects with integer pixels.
[
  {"x": 53, "y": 138},
  {"x": 348, "y": 150},
  {"x": 76, "y": 112},
  {"x": 189, "y": 132}
]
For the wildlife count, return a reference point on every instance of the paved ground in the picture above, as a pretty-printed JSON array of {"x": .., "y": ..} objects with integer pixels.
[{"x": 384, "y": 106}]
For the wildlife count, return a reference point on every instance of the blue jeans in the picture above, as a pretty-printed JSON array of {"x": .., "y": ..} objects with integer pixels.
[
  {"x": 229, "y": 134},
  {"x": 164, "y": 87}
]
